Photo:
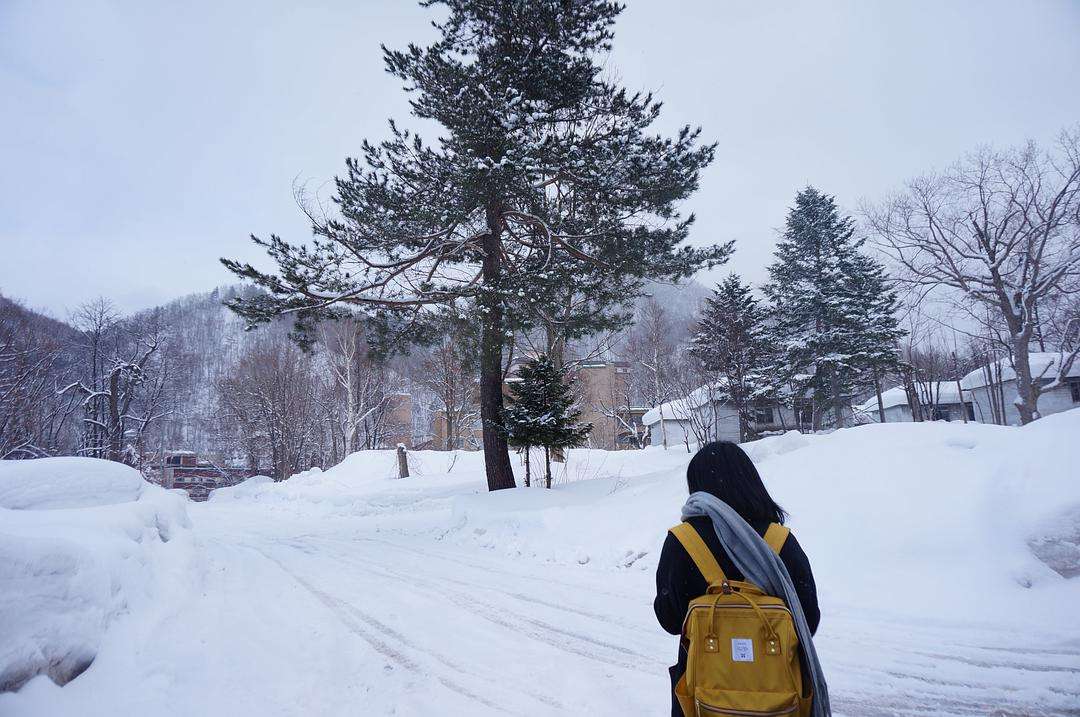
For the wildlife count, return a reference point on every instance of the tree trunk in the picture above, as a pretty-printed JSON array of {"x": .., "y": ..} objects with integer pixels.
[
  {"x": 528, "y": 477},
  {"x": 116, "y": 432},
  {"x": 880, "y": 402},
  {"x": 838, "y": 402},
  {"x": 913, "y": 397},
  {"x": 497, "y": 466},
  {"x": 556, "y": 350},
  {"x": 1026, "y": 394},
  {"x": 547, "y": 467},
  {"x": 402, "y": 461}
]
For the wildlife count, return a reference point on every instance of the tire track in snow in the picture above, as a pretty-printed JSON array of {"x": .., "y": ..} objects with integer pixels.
[
  {"x": 599, "y": 617},
  {"x": 348, "y": 614},
  {"x": 909, "y": 686},
  {"x": 443, "y": 556},
  {"x": 544, "y": 632}
]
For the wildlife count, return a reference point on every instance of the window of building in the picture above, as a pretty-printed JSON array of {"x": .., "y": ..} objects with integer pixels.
[
  {"x": 970, "y": 408},
  {"x": 763, "y": 415},
  {"x": 1074, "y": 388},
  {"x": 940, "y": 414}
]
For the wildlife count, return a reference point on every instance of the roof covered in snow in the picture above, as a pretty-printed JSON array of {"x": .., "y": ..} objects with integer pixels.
[
  {"x": 943, "y": 392},
  {"x": 1043, "y": 365},
  {"x": 679, "y": 409}
]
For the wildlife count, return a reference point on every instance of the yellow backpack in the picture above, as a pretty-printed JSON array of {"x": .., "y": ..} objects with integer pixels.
[{"x": 742, "y": 649}]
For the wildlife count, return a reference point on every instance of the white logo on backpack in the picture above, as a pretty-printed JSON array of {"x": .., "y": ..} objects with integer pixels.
[{"x": 742, "y": 649}]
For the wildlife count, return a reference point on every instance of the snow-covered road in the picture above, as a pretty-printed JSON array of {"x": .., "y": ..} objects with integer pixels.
[
  {"x": 345, "y": 593},
  {"x": 336, "y": 618}
]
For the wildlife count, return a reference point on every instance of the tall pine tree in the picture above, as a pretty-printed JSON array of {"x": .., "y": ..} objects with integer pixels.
[
  {"x": 877, "y": 332},
  {"x": 528, "y": 129},
  {"x": 832, "y": 312},
  {"x": 730, "y": 342},
  {"x": 542, "y": 412}
]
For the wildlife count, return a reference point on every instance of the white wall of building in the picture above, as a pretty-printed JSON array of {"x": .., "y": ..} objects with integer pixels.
[{"x": 1055, "y": 400}]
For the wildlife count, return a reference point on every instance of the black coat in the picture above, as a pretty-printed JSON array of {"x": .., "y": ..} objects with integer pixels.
[{"x": 678, "y": 581}]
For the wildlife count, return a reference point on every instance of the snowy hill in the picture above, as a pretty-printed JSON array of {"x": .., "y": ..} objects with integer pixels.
[{"x": 939, "y": 549}]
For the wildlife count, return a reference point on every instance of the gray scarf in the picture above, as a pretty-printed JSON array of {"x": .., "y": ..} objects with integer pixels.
[{"x": 761, "y": 566}]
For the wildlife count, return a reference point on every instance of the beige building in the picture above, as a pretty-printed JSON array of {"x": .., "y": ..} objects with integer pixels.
[
  {"x": 399, "y": 421},
  {"x": 603, "y": 389},
  {"x": 469, "y": 439}
]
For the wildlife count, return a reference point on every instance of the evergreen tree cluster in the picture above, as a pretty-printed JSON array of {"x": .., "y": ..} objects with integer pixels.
[{"x": 830, "y": 327}]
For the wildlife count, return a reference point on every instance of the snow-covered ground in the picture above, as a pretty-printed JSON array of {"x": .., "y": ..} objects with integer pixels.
[{"x": 347, "y": 592}]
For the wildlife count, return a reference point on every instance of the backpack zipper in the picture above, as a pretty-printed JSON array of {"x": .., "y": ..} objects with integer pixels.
[
  {"x": 749, "y": 713},
  {"x": 730, "y": 607}
]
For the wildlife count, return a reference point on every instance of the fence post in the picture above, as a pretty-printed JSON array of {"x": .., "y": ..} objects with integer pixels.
[{"x": 402, "y": 461}]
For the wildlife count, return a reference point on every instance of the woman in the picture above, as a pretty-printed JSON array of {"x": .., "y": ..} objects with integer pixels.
[{"x": 723, "y": 470}]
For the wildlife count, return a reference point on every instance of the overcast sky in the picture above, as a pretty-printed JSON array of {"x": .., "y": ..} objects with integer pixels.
[{"x": 142, "y": 140}]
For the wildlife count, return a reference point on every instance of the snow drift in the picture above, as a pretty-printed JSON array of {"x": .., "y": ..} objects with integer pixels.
[
  {"x": 937, "y": 517},
  {"x": 82, "y": 542},
  {"x": 67, "y": 483}
]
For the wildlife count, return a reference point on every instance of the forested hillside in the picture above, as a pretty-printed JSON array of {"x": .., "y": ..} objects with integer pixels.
[{"x": 188, "y": 376}]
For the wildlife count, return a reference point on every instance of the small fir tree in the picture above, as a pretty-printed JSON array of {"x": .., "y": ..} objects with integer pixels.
[
  {"x": 731, "y": 343},
  {"x": 542, "y": 412}
]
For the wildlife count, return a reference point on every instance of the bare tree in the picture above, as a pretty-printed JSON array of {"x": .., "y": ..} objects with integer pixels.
[
  {"x": 269, "y": 402},
  {"x": 33, "y": 364},
  {"x": 360, "y": 379},
  {"x": 650, "y": 350},
  {"x": 1000, "y": 227},
  {"x": 124, "y": 383},
  {"x": 449, "y": 371}
]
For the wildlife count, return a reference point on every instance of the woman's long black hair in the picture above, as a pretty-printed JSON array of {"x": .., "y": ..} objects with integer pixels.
[{"x": 724, "y": 470}]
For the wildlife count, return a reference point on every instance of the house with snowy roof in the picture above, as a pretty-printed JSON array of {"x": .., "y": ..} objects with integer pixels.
[
  {"x": 992, "y": 388},
  {"x": 938, "y": 400},
  {"x": 988, "y": 392},
  {"x": 704, "y": 414}
]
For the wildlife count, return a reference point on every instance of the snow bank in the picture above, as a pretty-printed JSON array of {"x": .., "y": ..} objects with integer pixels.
[
  {"x": 367, "y": 483},
  {"x": 82, "y": 542},
  {"x": 249, "y": 488},
  {"x": 915, "y": 519},
  {"x": 66, "y": 483}
]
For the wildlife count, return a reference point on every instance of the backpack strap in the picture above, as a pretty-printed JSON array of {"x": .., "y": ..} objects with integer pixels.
[
  {"x": 776, "y": 536},
  {"x": 699, "y": 552}
]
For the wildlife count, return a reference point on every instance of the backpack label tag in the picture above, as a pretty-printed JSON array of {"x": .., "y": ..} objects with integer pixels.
[{"x": 742, "y": 649}]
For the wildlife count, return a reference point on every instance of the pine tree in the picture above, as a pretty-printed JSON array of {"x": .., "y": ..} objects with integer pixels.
[
  {"x": 819, "y": 289},
  {"x": 544, "y": 174},
  {"x": 876, "y": 330},
  {"x": 542, "y": 412},
  {"x": 730, "y": 341}
]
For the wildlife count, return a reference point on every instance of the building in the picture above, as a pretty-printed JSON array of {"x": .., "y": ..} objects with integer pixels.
[
  {"x": 988, "y": 394},
  {"x": 703, "y": 415},
  {"x": 604, "y": 400},
  {"x": 398, "y": 426},
  {"x": 470, "y": 438},
  {"x": 940, "y": 401},
  {"x": 602, "y": 392},
  {"x": 184, "y": 470},
  {"x": 992, "y": 388}
]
